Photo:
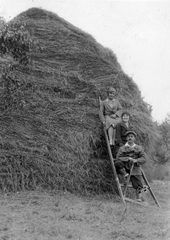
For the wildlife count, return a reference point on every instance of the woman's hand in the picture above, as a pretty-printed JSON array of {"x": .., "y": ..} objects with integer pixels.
[
  {"x": 132, "y": 160},
  {"x": 113, "y": 116}
]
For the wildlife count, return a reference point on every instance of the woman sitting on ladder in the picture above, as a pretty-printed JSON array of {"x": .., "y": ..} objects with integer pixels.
[{"x": 110, "y": 111}]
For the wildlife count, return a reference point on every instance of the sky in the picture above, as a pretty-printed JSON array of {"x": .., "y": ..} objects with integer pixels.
[{"x": 138, "y": 32}]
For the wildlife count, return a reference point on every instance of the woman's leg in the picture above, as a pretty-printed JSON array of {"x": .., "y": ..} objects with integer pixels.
[{"x": 111, "y": 135}]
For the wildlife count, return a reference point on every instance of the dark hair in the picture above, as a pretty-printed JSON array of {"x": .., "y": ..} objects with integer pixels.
[
  {"x": 110, "y": 89},
  {"x": 125, "y": 112}
]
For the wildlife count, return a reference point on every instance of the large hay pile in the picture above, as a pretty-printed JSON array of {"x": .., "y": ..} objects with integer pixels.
[{"x": 52, "y": 137}]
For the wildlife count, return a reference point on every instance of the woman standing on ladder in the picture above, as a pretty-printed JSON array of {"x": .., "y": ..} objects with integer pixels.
[{"x": 110, "y": 111}]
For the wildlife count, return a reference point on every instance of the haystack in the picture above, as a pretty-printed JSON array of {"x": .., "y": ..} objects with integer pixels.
[{"x": 52, "y": 137}]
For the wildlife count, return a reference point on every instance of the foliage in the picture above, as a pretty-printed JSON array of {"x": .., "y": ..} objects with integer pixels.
[
  {"x": 163, "y": 142},
  {"x": 50, "y": 130},
  {"x": 15, "y": 45}
]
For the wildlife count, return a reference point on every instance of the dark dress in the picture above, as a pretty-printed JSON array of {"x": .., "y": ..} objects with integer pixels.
[{"x": 121, "y": 130}]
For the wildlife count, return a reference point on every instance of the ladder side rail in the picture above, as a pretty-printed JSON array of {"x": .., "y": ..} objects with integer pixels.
[
  {"x": 112, "y": 163},
  {"x": 113, "y": 167},
  {"x": 149, "y": 187}
]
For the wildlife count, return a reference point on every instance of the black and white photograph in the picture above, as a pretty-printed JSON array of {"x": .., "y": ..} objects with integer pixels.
[{"x": 84, "y": 120}]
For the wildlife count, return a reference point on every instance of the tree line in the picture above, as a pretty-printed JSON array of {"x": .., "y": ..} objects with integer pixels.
[{"x": 162, "y": 146}]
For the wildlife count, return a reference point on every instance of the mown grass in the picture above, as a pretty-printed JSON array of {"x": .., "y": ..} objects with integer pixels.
[{"x": 62, "y": 215}]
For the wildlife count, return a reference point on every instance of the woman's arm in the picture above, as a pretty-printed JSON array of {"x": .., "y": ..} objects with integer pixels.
[
  {"x": 119, "y": 109},
  {"x": 101, "y": 113}
]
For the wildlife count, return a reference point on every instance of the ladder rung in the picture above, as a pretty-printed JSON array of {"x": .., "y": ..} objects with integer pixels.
[
  {"x": 144, "y": 204},
  {"x": 124, "y": 185}
]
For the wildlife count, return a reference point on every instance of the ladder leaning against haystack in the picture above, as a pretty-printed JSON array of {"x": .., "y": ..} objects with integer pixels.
[{"x": 121, "y": 193}]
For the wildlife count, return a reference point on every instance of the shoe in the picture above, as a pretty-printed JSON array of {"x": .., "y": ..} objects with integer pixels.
[
  {"x": 125, "y": 179},
  {"x": 123, "y": 172},
  {"x": 145, "y": 189},
  {"x": 139, "y": 194},
  {"x": 126, "y": 175},
  {"x": 139, "y": 197}
]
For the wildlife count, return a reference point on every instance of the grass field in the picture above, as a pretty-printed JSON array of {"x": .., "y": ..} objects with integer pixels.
[{"x": 39, "y": 215}]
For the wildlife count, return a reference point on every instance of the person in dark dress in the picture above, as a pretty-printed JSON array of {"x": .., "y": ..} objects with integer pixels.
[{"x": 121, "y": 130}]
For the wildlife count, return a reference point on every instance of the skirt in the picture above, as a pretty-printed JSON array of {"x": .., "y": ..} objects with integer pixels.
[{"x": 110, "y": 121}]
